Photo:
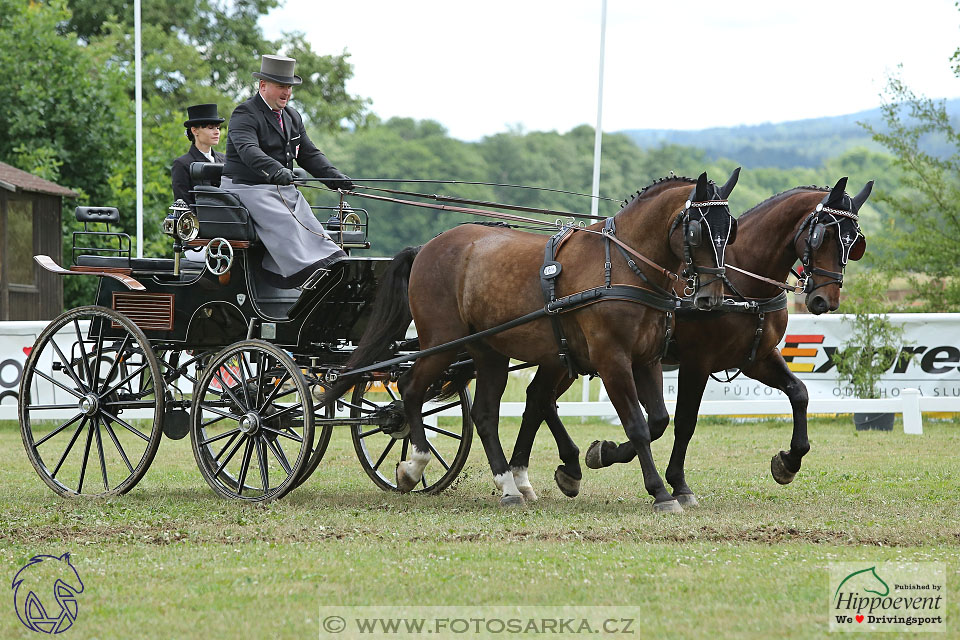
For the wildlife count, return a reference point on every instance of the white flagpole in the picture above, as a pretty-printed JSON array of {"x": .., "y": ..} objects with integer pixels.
[
  {"x": 598, "y": 135},
  {"x": 138, "y": 99}
]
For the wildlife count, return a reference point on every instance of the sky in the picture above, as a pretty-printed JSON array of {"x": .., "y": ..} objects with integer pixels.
[{"x": 481, "y": 68}]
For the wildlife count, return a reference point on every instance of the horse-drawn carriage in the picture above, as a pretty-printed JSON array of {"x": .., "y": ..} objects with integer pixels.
[
  {"x": 216, "y": 350},
  {"x": 259, "y": 375}
]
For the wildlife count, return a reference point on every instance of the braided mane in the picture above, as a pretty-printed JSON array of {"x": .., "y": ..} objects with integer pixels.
[
  {"x": 784, "y": 194},
  {"x": 671, "y": 180}
]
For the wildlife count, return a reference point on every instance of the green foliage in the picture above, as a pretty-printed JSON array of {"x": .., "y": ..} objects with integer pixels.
[
  {"x": 921, "y": 239},
  {"x": 875, "y": 340}
]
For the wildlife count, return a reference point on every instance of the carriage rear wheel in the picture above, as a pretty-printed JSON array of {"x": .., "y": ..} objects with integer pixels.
[
  {"x": 382, "y": 445},
  {"x": 90, "y": 412},
  {"x": 251, "y": 424}
]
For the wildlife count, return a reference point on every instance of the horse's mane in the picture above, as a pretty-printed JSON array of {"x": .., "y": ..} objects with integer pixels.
[
  {"x": 783, "y": 195},
  {"x": 655, "y": 186}
]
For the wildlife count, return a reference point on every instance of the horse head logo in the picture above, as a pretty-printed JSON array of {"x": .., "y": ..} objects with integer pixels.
[
  {"x": 45, "y": 593},
  {"x": 865, "y": 580}
]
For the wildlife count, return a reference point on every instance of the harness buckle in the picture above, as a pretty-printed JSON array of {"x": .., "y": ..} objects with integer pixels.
[{"x": 800, "y": 287}]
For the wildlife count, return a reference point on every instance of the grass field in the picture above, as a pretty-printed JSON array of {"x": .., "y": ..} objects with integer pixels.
[{"x": 170, "y": 560}]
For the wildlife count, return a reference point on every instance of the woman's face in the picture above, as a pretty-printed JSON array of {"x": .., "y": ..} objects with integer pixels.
[{"x": 207, "y": 135}]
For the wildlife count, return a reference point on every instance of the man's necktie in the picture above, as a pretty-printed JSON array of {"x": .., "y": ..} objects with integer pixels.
[{"x": 279, "y": 118}]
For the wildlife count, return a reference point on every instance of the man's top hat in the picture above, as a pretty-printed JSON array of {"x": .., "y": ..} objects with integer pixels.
[
  {"x": 278, "y": 69},
  {"x": 200, "y": 114}
]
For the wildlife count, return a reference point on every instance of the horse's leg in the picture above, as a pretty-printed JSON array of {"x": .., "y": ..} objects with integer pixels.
[
  {"x": 413, "y": 386},
  {"x": 492, "y": 370},
  {"x": 618, "y": 379},
  {"x": 690, "y": 386},
  {"x": 773, "y": 372},
  {"x": 547, "y": 384}
]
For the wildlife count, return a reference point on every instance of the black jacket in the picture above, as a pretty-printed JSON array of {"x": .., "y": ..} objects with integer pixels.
[
  {"x": 180, "y": 172},
  {"x": 257, "y": 148}
]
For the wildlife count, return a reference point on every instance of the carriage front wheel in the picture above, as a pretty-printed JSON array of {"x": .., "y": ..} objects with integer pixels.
[
  {"x": 90, "y": 411},
  {"x": 251, "y": 424},
  {"x": 386, "y": 441}
]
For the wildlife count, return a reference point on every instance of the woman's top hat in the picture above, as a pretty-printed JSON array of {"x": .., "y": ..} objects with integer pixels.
[
  {"x": 278, "y": 69},
  {"x": 200, "y": 114}
]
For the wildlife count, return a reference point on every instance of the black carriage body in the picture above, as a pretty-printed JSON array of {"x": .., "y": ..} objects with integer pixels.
[{"x": 200, "y": 311}]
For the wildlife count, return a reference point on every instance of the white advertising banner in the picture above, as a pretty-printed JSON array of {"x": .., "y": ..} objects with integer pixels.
[{"x": 928, "y": 360}]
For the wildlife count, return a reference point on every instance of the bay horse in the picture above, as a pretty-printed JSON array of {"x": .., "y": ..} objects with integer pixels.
[
  {"x": 473, "y": 278},
  {"x": 820, "y": 230}
]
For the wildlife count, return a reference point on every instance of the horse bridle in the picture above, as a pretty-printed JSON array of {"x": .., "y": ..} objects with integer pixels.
[
  {"x": 816, "y": 229},
  {"x": 693, "y": 237}
]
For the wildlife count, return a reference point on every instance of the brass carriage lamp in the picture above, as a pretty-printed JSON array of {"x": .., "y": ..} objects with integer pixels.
[{"x": 182, "y": 225}]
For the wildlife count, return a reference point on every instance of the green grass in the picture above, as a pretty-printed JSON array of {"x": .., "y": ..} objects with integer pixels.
[{"x": 169, "y": 560}]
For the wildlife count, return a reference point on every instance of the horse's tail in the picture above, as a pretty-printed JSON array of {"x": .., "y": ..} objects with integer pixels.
[{"x": 389, "y": 318}]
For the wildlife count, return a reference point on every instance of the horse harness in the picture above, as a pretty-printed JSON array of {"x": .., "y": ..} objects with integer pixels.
[{"x": 815, "y": 232}]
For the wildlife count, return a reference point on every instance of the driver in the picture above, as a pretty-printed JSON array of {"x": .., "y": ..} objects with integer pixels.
[{"x": 265, "y": 136}]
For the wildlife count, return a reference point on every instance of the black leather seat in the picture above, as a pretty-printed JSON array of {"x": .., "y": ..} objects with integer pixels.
[
  {"x": 137, "y": 265},
  {"x": 222, "y": 215}
]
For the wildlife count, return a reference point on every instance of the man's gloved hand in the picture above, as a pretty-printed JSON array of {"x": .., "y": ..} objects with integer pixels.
[
  {"x": 341, "y": 181},
  {"x": 283, "y": 176}
]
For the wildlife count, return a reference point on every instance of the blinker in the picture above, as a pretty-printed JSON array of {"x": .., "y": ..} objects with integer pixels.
[
  {"x": 694, "y": 233},
  {"x": 816, "y": 236}
]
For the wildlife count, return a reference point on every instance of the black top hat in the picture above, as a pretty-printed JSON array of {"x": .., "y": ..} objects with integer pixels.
[
  {"x": 278, "y": 69},
  {"x": 200, "y": 114}
]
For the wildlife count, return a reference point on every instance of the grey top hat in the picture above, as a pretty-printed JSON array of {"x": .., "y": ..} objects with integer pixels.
[{"x": 278, "y": 69}]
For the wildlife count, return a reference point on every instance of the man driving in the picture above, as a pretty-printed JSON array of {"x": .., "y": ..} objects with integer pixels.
[{"x": 264, "y": 137}]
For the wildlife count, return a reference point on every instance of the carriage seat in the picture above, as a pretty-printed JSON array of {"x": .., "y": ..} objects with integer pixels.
[
  {"x": 222, "y": 215},
  {"x": 138, "y": 266}
]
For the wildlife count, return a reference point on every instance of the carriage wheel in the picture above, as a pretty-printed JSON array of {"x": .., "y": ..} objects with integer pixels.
[
  {"x": 381, "y": 446},
  {"x": 322, "y": 439},
  {"x": 90, "y": 414},
  {"x": 251, "y": 425}
]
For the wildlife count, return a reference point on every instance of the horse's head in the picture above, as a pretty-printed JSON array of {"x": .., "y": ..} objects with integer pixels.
[
  {"x": 707, "y": 228},
  {"x": 826, "y": 240}
]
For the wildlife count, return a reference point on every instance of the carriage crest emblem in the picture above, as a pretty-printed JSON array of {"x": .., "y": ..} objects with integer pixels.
[
  {"x": 45, "y": 593},
  {"x": 241, "y": 298}
]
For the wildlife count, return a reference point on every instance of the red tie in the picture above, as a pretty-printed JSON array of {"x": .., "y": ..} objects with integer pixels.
[{"x": 279, "y": 119}]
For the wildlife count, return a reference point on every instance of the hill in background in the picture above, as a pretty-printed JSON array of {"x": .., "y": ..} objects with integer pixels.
[{"x": 798, "y": 143}]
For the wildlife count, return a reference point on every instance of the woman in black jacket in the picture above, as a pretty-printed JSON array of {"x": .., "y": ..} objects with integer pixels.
[{"x": 203, "y": 130}]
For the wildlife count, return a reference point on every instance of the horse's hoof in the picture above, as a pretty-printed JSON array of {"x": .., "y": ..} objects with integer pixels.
[
  {"x": 779, "y": 470},
  {"x": 512, "y": 501},
  {"x": 687, "y": 500},
  {"x": 592, "y": 457},
  {"x": 528, "y": 493},
  {"x": 405, "y": 484},
  {"x": 667, "y": 506},
  {"x": 569, "y": 485}
]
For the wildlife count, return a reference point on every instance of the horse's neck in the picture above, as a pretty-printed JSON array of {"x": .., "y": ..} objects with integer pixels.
[
  {"x": 765, "y": 244},
  {"x": 645, "y": 226}
]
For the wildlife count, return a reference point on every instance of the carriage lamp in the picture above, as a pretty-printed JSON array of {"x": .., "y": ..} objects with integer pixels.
[{"x": 182, "y": 225}]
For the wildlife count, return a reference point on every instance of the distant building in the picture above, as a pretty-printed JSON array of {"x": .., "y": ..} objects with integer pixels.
[{"x": 30, "y": 224}]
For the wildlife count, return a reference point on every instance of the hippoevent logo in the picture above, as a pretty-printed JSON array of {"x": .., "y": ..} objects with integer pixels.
[
  {"x": 807, "y": 353},
  {"x": 888, "y": 596},
  {"x": 45, "y": 594}
]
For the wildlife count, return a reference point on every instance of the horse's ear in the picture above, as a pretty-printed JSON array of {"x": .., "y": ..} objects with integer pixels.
[
  {"x": 727, "y": 189},
  {"x": 835, "y": 197},
  {"x": 700, "y": 191},
  {"x": 861, "y": 197}
]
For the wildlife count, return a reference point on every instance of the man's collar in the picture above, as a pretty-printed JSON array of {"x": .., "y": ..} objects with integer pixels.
[{"x": 263, "y": 100}]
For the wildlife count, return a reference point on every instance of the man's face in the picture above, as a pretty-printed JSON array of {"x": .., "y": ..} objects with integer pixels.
[{"x": 275, "y": 95}]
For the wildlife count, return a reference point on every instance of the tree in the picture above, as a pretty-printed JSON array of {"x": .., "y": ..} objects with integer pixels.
[{"x": 922, "y": 239}]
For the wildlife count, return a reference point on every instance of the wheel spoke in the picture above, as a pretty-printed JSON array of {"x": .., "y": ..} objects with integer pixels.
[
  {"x": 449, "y": 434},
  {"x": 261, "y": 372},
  {"x": 393, "y": 395},
  {"x": 403, "y": 452},
  {"x": 116, "y": 443},
  {"x": 66, "y": 365},
  {"x": 278, "y": 453},
  {"x": 129, "y": 404},
  {"x": 244, "y": 465},
  {"x": 284, "y": 411},
  {"x": 226, "y": 446},
  {"x": 43, "y": 407},
  {"x": 98, "y": 353},
  {"x": 383, "y": 456},
  {"x": 220, "y": 437},
  {"x": 59, "y": 384},
  {"x": 86, "y": 363},
  {"x": 242, "y": 368},
  {"x": 103, "y": 461},
  {"x": 222, "y": 414},
  {"x": 56, "y": 431},
  {"x": 292, "y": 435},
  {"x": 204, "y": 425},
  {"x": 123, "y": 423},
  {"x": 116, "y": 362},
  {"x": 127, "y": 379},
  {"x": 262, "y": 462},
  {"x": 229, "y": 456},
  {"x": 449, "y": 405},
  {"x": 274, "y": 392},
  {"x": 86, "y": 455},
  {"x": 439, "y": 457},
  {"x": 69, "y": 447},
  {"x": 233, "y": 396},
  {"x": 370, "y": 433}
]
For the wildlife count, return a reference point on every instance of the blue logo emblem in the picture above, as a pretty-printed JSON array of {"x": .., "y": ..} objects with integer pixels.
[{"x": 45, "y": 593}]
